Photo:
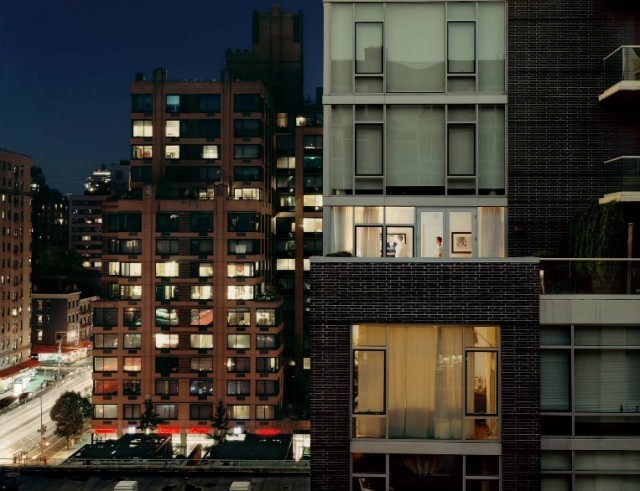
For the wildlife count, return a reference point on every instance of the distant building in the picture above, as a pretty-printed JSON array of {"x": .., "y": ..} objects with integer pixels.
[{"x": 15, "y": 281}]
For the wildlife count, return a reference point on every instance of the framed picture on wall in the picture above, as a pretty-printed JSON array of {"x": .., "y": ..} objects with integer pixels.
[{"x": 461, "y": 242}]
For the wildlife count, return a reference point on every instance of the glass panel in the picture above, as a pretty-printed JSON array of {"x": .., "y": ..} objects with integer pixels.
[
  {"x": 597, "y": 483},
  {"x": 607, "y": 461},
  {"x": 369, "y": 85},
  {"x": 369, "y": 241},
  {"x": 368, "y": 214},
  {"x": 462, "y": 150},
  {"x": 369, "y": 150},
  {"x": 482, "y": 429},
  {"x": 460, "y": 228},
  {"x": 341, "y": 45},
  {"x": 464, "y": 11},
  {"x": 607, "y": 336},
  {"x": 607, "y": 381},
  {"x": 368, "y": 47},
  {"x": 414, "y": 40},
  {"x": 369, "y": 483},
  {"x": 369, "y": 335},
  {"x": 491, "y": 150},
  {"x": 369, "y": 113},
  {"x": 415, "y": 147},
  {"x": 399, "y": 242},
  {"x": 341, "y": 149},
  {"x": 555, "y": 380},
  {"x": 556, "y": 483},
  {"x": 483, "y": 465},
  {"x": 431, "y": 233},
  {"x": 461, "y": 47},
  {"x": 480, "y": 485},
  {"x": 397, "y": 215},
  {"x": 555, "y": 460},
  {"x": 554, "y": 335},
  {"x": 368, "y": 381},
  {"x": 491, "y": 232},
  {"x": 482, "y": 382},
  {"x": 491, "y": 46},
  {"x": 341, "y": 229},
  {"x": 368, "y": 12},
  {"x": 369, "y": 427},
  {"x": 481, "y": 337},
  {"x": 425, "y": 472},
  {"x": 369, "y": 463},
  {"x": 461, "y": 113}
]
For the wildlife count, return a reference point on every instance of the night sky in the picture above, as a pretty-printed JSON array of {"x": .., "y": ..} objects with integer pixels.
[{"x": 66, "y": 68}]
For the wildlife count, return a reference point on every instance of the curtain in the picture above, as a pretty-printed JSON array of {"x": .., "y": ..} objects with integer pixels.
[
  {"x": 491, "y": 232},
  {"x": 425, "y": 378}
]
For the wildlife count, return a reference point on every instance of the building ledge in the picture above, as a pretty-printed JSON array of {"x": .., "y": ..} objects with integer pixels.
[{"x": 624, "y": 88}]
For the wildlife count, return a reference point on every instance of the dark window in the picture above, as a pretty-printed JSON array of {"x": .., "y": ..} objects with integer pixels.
[
  {"x": 167, "y": 222},
  {"x": 243, "y": 222},
  {"x": 141, "y": 103},
  {"x": 267, "y": 387},
  {"x": 166, "y": 364},
  {"x": 200, "y": 411},
  {"x": 247, "y": 128},
  {"x": 267, "y": 365},
  {"x": 141, "y": 174},
  {"x": 266, "y": 341},
  {"x": 167, "y": 411},
  {"x": 166, "y": 292},
  {"x": 209, "y": 103},
  {"x": 105, "y": 341},
  {"x": 248, "y": 174},
  {"x": 167, "y": 246},
  {"x": 247, "y": 103},
  {"x": 131, "y": 411},
  {"x": 125, "y": 246},
  {"x": 123, "y": 222},
  {"x": 285, "y": 145},
  {"x": 201, "y": 222},
  {"x": 131, "y": 387},
  {"x": 192, "y": 174},
  {"x": 243, "y": 246},
  {"x": 247, "y": 151},
  {"x": 105, "y": 317},
  {"x": 200, "y": 247},
  {"x": 132, "y": 317},
  {"x": 173, "y": 104}
]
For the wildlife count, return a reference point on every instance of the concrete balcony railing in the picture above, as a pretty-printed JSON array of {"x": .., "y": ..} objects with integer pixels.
[
  {"x": 599, "y": 276},
  {"x": 622, "y": 69}
]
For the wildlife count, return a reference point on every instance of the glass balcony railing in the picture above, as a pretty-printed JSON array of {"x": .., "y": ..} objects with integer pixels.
[
  {"x": 600, "y": 276},
  {"x": 623, "y": 174},
  {"x": 622, "y": 69}
]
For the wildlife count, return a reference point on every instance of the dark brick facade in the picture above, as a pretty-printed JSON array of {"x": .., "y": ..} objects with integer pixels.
[
  {"x": 559, "y": 134},
  {"x": 504, "y": 293}
]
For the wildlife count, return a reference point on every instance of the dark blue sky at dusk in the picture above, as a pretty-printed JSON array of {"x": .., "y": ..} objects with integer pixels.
[{"x": 66, "y": 67}]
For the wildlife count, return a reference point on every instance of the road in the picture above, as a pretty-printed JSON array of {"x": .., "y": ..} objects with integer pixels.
[{"x": 19, "y": 427}]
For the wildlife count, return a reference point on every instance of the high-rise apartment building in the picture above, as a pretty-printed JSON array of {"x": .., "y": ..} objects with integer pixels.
[
  {"x": 189, "y": 315},
  {"x": 460, "y": 135},
  {"x": 15, "y": 283}
]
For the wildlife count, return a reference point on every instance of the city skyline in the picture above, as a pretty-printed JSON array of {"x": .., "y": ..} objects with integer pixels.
[{"x": 69, "y": 66}]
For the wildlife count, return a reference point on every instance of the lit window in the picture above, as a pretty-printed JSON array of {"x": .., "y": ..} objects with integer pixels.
[
  {"x": 105, "y": 411},
  {"x": 210, "y": 152},
  {"x": 166, "y": 387},
  {"x": 312, "y": 200},
  {"x": 201, "y": 341},
  {"x": 142, "y": 128},
  {"x": 172, "y": 152},
  {"x": 238, "y": 411},
  {"x": 240, "y": 292},
  {"x": 167, "y": 270},
  {"x": 201, "y": 317},
  {"x": 264, "y": 411},
  {"x": 201, "y": 387},
  {"x": 238, "y": 387},
  {"x": 132, "y": 364},
  {"x": 166, "y": 317},
  {"x": 238, "y": 341},
  {"x": 238, "y": 365},
  {"x": 201, "y": 364},
  {"x": 285, "y": 264},
  {"x": 238, "y": 317},
  {"x": 173, "y": 104},
  {"x": 105, "y": 364},
  {"x": 141, "y": 151},
  {"x": 172, "y": 129},
  {"x": 313, "y": 225},
  {"x": 240, "y": 270},
  {"x": 201, "y": 292},
  {"x": 132, "y": 341},
  {"x": 166, "y": 341}
]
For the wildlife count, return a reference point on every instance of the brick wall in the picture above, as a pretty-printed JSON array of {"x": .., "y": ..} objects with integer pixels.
[
  {"x": 559, "y": 134},
  {"x": 347, "y": 291}
]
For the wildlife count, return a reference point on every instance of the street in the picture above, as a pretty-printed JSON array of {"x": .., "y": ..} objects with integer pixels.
[{"x": 19, "y": 427}]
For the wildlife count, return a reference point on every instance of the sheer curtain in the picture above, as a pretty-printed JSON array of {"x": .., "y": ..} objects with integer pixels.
[
  {"x": 491, "y": 232},
  {"x": 425, "y": 382}
]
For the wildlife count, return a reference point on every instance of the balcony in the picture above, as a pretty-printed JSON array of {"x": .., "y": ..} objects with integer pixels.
[
  {"x": 589, "y": 276},
  {"x": 622, "y": 70},
  {"x": 622, "y": 182}
]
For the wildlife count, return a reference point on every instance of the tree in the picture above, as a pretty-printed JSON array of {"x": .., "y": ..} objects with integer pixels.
[
  {"x": 219, "y": 424},
  {"x": 69, "y": 413},
  {"x": 149, "y": 420}
]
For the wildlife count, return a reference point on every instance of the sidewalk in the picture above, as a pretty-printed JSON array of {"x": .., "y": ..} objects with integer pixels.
[{"x": 60, "y": 456}]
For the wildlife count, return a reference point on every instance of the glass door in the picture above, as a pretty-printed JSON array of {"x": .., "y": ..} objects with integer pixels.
[{"x": 447, "y": 232}]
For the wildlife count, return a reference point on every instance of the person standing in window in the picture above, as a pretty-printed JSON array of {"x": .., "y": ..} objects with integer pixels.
[{"x": 439, "y": 251}]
